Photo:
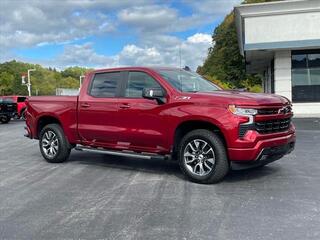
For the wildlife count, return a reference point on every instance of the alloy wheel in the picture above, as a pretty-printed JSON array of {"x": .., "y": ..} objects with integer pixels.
[
  {"x": 50, "y": 144},
  {"x": 199, "y": 157}
]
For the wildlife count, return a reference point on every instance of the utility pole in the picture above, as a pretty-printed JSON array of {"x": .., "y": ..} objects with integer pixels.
[
  {"x": 80, "y": 81},
  {"x": 180, "y": 56},
  {"x": 29, "y": 81}
]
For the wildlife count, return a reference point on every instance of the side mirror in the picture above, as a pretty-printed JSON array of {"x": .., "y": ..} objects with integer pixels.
[{"x": 154, "y": 94}]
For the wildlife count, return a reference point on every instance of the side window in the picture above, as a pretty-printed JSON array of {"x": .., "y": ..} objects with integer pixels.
[
  {"x": 21, "y": 99},
  {"x": 105, "y": 84},
  {"x": 137, "y": 81}
]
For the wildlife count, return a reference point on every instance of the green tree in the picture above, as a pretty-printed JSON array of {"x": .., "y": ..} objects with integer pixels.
[
  {"x": 5, "y": 83},
  {"x": 44, "y": 81},
  {"x": 224, "y": 62},
  {"x": 74, "y": 72}
]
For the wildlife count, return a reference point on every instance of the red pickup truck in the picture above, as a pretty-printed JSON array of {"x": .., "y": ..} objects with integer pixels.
[
  {"x": 21, "y": 105},
  {"x": 166, "y": 113}
]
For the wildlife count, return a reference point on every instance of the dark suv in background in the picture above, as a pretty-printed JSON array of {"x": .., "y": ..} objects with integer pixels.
[{"x": 7, "y": 109}]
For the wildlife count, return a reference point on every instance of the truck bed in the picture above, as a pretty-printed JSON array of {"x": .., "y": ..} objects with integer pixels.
[{"x": 60, "y": 107}]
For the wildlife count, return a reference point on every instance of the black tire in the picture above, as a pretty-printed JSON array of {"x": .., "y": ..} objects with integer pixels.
[
  {"x": 5, "y": 119},
  {"x": 63, "y": 149},
  {"x": 220, "y": 165}
]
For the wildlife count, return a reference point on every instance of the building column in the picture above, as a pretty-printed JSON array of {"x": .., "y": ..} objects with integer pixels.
[
  {"x": 267, "y": 80},
  {"x": 282, "y": 73}
]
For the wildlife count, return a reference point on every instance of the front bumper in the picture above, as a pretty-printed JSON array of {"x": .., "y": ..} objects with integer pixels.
[
  {"x": 8, "y": 114},
  {"x": 266, "y": 156},
  {"x": 252, "y": 146}
]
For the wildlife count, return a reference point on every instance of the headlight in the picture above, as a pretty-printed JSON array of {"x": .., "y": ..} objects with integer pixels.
[{"x": 242, "y": 111}]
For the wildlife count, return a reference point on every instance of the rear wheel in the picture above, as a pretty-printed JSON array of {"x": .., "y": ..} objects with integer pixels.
[
  {"x": 5, "y": 119},
  {"x": 53, "y": 144},
  {"x": 202, "y": 157}
]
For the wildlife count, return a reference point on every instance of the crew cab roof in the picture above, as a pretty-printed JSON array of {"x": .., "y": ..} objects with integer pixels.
[{"x": 140, "y": 68}]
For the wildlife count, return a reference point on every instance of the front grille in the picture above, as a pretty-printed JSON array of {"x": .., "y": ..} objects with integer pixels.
[
  {"x": 273, "y": 126},
  {"x": 279, "y": 110},
  {"x": 270, "y": 126},
  {"x": 267, "y": 111}
]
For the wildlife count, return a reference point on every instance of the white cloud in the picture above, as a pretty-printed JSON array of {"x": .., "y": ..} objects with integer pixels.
[
  {"x": 193, "y": 51},
  {"x": 80, "y": 55},
  {"x": 166, "y": 50},
  {"x": 148, "y": 18},
  {"x": 152, "y": 22},
  {"x": 199, "y": 38},
  {"x": 26, "y": 24}
]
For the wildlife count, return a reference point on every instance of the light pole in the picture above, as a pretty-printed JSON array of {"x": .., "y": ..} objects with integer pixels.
[
  {"x": 80, "y": 81},
  {"x": 29, "y": 81}
]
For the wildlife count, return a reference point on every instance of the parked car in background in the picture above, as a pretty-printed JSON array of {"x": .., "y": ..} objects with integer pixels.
[
  {"x": 164, "y": 113},
  {"x": 21, "y": 105},
  {"x": 7, "y": 109}
]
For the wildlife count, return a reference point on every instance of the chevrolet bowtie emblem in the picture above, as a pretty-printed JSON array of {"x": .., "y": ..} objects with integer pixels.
[{"x": 284, "y": 110}]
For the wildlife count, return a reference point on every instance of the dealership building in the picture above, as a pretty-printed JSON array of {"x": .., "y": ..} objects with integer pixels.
[{"x": 281, "y": 41}]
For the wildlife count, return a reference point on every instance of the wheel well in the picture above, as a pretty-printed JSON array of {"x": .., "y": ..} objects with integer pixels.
[
  {"x": 45, "y": 120},
  {"x": 188, "y": 126}
]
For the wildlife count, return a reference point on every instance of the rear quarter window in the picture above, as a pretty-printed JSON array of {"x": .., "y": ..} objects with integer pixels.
[{"x": 21, "y": 99}]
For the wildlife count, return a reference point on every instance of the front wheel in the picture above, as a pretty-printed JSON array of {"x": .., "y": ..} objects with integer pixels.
[
  {"x": 53, "y": 144},
  {"x": 202, "y": 157}
]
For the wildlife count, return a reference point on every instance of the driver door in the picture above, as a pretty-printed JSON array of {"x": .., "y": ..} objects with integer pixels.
[{"x": 143, "y": 124}]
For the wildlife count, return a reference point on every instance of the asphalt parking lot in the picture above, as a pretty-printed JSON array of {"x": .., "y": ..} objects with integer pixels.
[{"x": 96, "y": 196}]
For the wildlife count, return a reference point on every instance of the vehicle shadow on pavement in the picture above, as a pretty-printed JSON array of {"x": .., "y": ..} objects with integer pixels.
[
  {"x": 158, "y": 166},
  {"x": 251, "y": 174}
]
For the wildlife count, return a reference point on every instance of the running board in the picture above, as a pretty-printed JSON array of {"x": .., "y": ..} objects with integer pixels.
[{"x": 122, "y": 153}]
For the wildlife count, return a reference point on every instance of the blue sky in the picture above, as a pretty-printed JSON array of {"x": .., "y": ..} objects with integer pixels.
[{"x": 62, "y": 33}]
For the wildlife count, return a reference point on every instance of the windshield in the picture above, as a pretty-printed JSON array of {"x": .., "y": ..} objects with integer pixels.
[{"x": 186, "y": 81}]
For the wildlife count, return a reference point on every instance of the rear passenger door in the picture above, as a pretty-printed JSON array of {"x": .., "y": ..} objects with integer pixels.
[
  {"x": 143, "y": 125},
  {"x": 98, "y": 122}
]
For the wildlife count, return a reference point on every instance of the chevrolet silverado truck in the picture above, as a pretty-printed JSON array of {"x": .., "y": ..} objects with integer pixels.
[
  {"x": 7, "y": 109},
  {"x": 164, "y": 113}
]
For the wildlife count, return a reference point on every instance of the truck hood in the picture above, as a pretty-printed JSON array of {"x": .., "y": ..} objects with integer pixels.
[{"x": 241, "y": 98}]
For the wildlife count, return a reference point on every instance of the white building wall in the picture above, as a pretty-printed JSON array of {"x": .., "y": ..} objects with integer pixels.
[
  {"x": 306, "y": 109},
  {"x": 282, "y": 73},
  {"x": 282, "y": 28}
]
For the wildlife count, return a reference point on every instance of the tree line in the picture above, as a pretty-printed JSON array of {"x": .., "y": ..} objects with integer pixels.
[{"x": 44, "y": 81}]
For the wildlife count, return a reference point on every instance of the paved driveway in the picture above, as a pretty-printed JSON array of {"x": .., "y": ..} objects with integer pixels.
[{"x": 97, "y": 196}]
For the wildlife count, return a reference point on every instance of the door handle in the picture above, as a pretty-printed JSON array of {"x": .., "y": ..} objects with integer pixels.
[
  {"x": 124, "y": 106},
  {"x": 85, "y": 105}
]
